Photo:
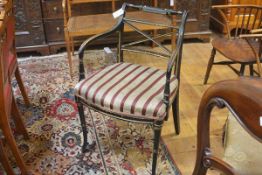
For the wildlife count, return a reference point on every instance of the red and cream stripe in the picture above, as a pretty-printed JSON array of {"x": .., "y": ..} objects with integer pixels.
[{"x": 127, "y": 88}]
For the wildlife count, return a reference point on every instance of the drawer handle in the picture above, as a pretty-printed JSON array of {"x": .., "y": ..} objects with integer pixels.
[
  {"x": 58, "y": 29},
  {"x": 55, "y": 9}
]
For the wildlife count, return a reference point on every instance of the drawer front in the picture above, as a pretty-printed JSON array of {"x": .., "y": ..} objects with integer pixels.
[
  {"x": 29, "y": 28},
  {"x": 54, "y": 30},
  {"x": 52, "y": 9}
]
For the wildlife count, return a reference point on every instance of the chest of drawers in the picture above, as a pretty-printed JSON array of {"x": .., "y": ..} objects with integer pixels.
[{"x": 40, "y": 27}]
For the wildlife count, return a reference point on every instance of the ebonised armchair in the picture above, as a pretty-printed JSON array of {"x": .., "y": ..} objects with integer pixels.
[{"x": 132, "y": 92}]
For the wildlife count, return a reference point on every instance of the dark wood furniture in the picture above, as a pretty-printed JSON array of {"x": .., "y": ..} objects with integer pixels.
[
  {"x": 236, "y": 49},
  {"x": 8, "y": 65},
  {"x": 39, "y": 23},
  {"x": 243, "y": 98},
  {"x": 146, "y": 93}
]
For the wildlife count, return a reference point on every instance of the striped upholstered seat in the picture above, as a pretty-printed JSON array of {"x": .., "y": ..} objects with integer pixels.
[{"x": 127, "y": 88}]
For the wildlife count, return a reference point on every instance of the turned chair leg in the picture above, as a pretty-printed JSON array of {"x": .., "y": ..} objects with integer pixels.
[
  {"x": 72, "y": 45},
  {"x": 8, "y": 134},
  {"x": 242, "y": 69},
  {"x": 69, "y": 53},
  {"x": 251, "y": 70},
  {"x": 157, "y": 135},
  {"x": 210, "y": 64},
  {"x": 175, "y": 109},
  {"x": 19, "y": 123},
  {"x": 21, "y": 87},
  {"x": 86, "y": 146},
  {"x": 4, "y": 160}
]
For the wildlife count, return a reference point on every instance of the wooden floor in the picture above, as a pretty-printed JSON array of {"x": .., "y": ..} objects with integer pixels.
[{"x": 194, "y": 63}]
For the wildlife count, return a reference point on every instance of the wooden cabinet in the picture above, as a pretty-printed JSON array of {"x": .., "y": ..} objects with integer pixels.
[
  {"x": 40, "y": 27},
  {"x": 30, "y": 33},
  {"x": 198, "y": 21}
]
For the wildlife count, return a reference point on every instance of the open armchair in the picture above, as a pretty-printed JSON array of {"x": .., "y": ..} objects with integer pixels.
[{"x": 132, "y": 92}]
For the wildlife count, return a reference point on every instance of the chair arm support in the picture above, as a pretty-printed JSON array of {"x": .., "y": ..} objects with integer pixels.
[
  {"x": 256, "y": 31},
  {"x": 175, "y": 59},
  {"x": 251, "y": 36}
]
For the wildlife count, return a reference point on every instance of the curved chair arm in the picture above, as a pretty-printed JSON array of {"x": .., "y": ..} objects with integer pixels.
[
  {"x": 225, "y": 22},
  {"x": 256, "y": 31},
  {"x": 243, "y": 98},
  {"x": 117, "y": 28},
  {"x": 232, "y": 6}
]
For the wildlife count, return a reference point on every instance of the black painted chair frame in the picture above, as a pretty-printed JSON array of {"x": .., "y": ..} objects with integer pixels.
[{"x": 174, "y": 62}]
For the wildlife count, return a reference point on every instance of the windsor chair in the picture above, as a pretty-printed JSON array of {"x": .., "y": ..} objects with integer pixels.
[{"x": 237, "y": 50}]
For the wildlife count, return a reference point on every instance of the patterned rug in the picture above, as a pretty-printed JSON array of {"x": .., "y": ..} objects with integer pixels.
[{"x": 55, "y": 132}]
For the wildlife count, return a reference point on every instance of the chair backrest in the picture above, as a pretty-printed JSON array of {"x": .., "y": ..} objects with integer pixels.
[
  {"x": 243, "y": 98},
  {"x": 6, "y": 52},
  {"x": 239, "y": 19},
  {"x": 5, "y": 84},
  {"x": 171, "y": 21}
]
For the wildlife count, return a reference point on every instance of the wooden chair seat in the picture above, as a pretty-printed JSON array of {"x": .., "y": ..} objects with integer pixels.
[
  {"x": 90, "y": 24},
  {"x": 128, "y": 89},
  {"x": 78, "y": 25},
  {"x": 237, "y": 50}
]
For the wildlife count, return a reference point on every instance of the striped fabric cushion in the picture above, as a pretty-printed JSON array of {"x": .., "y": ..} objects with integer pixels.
[{"x": 126, "y": 88}]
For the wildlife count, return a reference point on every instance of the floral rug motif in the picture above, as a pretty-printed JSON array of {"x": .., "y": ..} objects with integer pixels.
[{"x": 54, "y": 147}]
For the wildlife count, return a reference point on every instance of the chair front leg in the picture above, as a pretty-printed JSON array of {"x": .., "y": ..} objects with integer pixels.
[
  {"x": 210, "y": 64},
  {"x": 86, "y": 146},
  {"x": 251, "y": 70},
  {"x": 157, "y": 134},
  {"x": 69, "y": 51}
]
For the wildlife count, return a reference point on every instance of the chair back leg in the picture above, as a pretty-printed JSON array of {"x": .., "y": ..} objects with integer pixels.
[
  {"x": 175, "y": 110},
  {"x": 68, "y": 49}
]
